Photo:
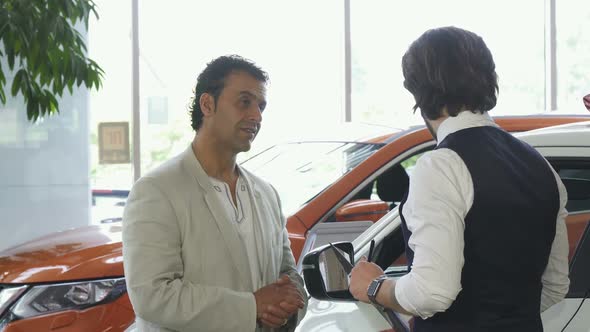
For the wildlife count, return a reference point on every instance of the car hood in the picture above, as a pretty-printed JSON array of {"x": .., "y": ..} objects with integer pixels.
[{"x": 83, "y": 253}]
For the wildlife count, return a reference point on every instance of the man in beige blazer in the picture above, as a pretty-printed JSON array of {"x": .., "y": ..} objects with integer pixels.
[{"x": 205, "y": 246}]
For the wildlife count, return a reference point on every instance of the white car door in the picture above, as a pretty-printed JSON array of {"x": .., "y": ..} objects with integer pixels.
[{"x": 574, "y": 312}]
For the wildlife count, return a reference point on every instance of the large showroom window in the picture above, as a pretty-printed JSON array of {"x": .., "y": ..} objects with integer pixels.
[
  {"x": 109, "y": 41},
  {"x": 382, "y": 30},
  {"x": 317, "y": 52},
  {"x": 573, "y": 54},
  {"x": 299, "y": 43}
]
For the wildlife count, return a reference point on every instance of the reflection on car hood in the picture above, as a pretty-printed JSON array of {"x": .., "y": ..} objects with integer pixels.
[{"x": 82, "y": 253}]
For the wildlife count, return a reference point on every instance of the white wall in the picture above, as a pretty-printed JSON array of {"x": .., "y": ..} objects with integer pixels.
[{"x": 44, "y": 168}]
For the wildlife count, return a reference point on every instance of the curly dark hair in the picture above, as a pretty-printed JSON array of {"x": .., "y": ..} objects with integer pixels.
[
  {"x": 212, "y": 81},
  {"x": 450, "y": 67}
]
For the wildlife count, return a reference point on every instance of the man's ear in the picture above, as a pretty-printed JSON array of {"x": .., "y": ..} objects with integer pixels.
[{"x": 207, "y": 103}]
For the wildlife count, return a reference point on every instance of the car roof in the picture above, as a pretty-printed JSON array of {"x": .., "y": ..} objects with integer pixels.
[
  {"x": 568, "y": 135},
  {"x": 349, "y": 132}
]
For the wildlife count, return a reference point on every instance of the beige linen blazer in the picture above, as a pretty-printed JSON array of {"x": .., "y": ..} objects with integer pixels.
[{"x": 185, "y": 265}]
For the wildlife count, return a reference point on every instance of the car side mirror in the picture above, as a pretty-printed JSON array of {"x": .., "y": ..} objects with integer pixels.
[
  {"x": 362, "y": 210},
  {"x": 586, "y": 100},
  {"x": 326, "y": 276}
]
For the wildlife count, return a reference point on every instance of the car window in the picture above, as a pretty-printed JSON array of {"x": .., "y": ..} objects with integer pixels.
[
  {"x": 393, "y": 255},
  {"x": 394, "y": 173},
  {"x": 390, "y": 186},
  {"x": 309, "y": 167},
  {"x": 577, "y": 181},
  {"x": 574, "y": 173},
  {"x": 409, "y": 163}
]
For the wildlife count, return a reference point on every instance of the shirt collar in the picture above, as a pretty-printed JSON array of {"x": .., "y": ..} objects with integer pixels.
[{"x": 463, "y": 120}]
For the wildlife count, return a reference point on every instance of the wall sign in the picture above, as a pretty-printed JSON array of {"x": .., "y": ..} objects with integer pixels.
[{"x": 113, "y": 143}]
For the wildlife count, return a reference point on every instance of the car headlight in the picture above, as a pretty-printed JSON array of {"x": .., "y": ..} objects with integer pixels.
[
  {"x": 9, "y": 295},
  {"x": 46, "y": 299}
]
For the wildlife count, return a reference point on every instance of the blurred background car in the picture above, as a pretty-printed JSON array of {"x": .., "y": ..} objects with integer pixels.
[{"x": 107, "y": 205}]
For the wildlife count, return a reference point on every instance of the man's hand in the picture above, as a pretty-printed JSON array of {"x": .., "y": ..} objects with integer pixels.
[
  {"x": 361, "y": 276},
  {"x": 276, "y": 302}
]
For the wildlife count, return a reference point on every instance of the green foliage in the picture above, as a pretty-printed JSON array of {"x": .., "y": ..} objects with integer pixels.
[
  {"x": 169, "y": 139},
  {"x": 411, "y": 162},
  {"x": 47, "y": 53}
]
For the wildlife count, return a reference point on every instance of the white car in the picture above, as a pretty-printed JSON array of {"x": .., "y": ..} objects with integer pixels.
[{"x": 566, "y": 147}]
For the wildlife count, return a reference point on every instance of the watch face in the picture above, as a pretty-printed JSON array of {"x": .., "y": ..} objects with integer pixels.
[{"x": 373, "y": 287}]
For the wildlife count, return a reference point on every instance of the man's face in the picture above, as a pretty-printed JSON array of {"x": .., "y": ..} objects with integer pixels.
[{"x": 237, "y": 115}]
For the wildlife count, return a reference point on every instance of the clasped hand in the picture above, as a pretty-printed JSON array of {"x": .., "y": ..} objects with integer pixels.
[{"x": 278, "y": 301}]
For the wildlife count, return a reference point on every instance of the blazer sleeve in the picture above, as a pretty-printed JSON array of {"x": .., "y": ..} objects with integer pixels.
[
  {"x": 154, "y": 272},
  {"x": 289, "y": 268}
]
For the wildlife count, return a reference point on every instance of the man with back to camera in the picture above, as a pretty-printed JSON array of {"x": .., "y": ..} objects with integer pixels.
[
  {"x": 484, "y": 217},
  {"x": 204, "y": 241}
]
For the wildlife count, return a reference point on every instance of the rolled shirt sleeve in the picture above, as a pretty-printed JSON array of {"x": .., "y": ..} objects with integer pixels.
[
  {"x": 555, "y": 278},
  {"x": 439, "y": 197}
]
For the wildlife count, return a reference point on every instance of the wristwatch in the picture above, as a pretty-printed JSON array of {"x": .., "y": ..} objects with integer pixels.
[{"x": 373, "y": 289}]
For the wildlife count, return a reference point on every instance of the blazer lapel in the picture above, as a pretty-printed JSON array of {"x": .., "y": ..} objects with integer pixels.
[{"x": 228, "y": 231}]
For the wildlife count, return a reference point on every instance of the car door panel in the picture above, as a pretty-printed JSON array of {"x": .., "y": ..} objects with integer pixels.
[
  {"x": 555, "y": 318},
  {"x": 333, "y": 316},
  {"x": 575, "y": 309}
]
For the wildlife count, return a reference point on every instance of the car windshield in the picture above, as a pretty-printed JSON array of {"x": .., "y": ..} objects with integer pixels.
[{"x": 299, "y": 171}]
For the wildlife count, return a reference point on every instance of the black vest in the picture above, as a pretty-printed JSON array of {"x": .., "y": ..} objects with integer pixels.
[{"x": 508, "y": 235}]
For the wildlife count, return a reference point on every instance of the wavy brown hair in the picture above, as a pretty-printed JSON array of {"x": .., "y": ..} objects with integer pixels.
[{"x": 453, "y": 68}]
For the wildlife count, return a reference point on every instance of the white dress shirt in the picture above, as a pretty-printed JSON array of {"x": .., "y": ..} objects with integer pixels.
[{"x": 439, "y": 197}]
